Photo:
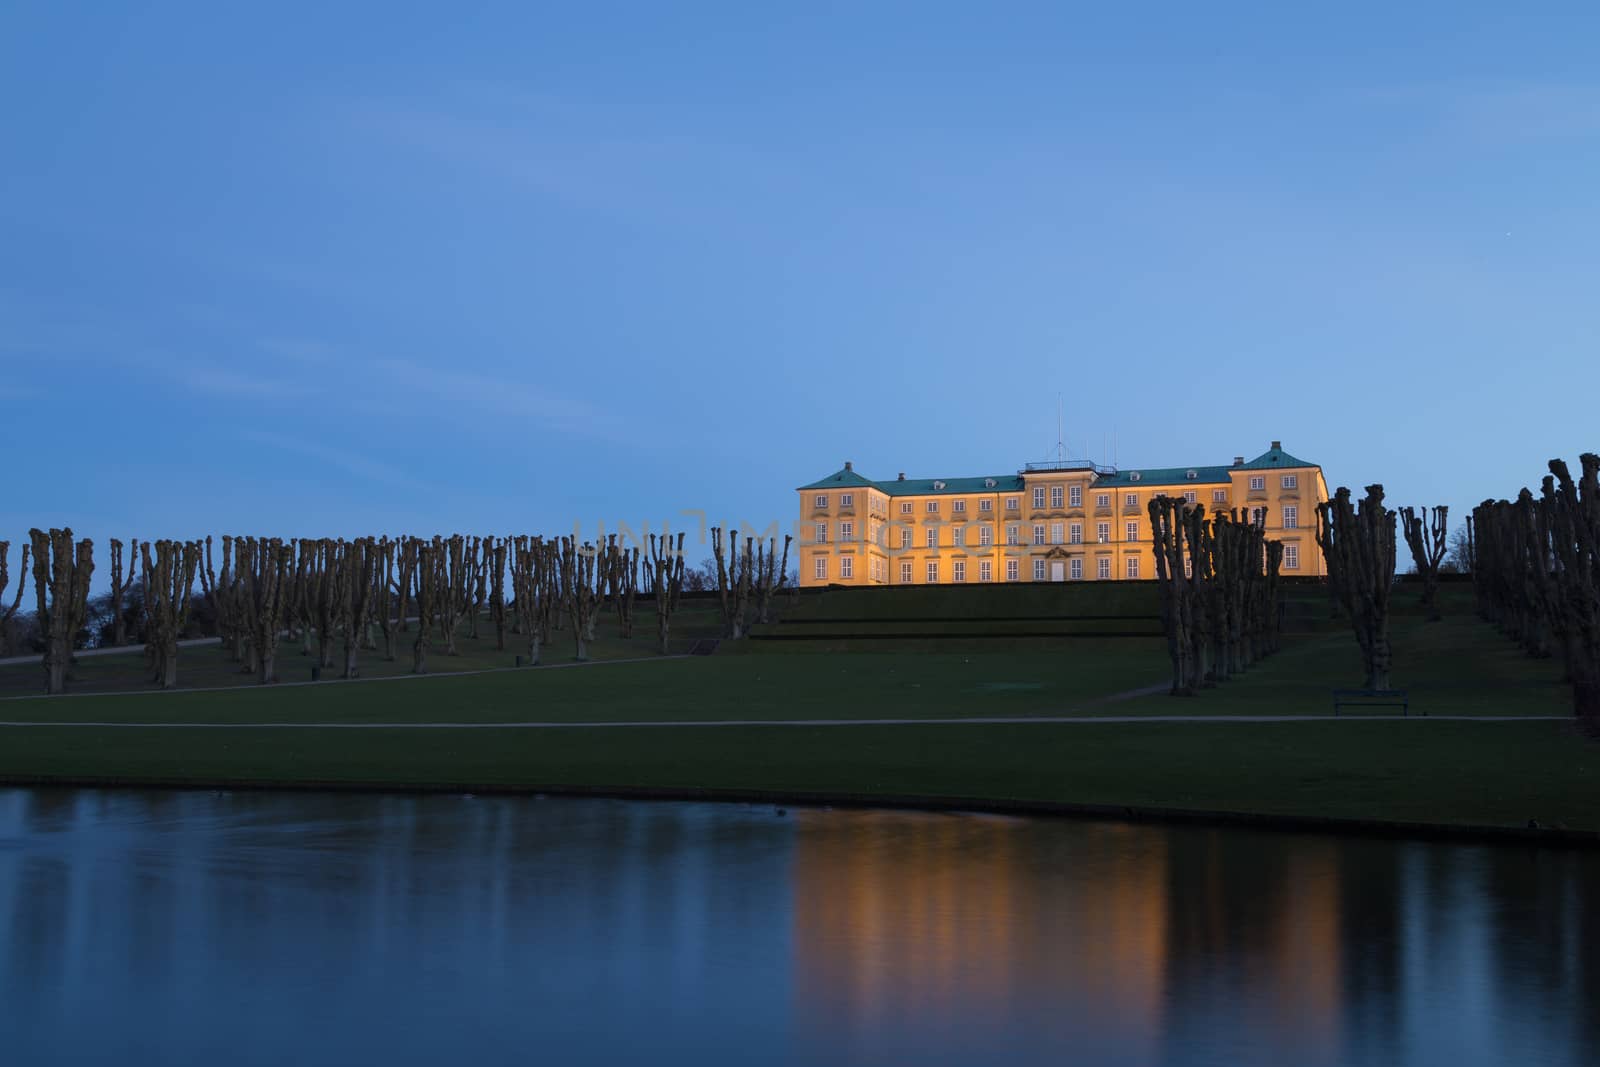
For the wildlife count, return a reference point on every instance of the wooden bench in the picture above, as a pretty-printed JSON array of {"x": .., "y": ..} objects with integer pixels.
[{"x": 1372, "y": 698}]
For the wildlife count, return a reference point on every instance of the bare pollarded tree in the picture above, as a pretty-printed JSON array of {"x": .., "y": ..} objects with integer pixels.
[
  {"x": 664, "y": 566},
  {"x": 579, "y": 595},
  {"x": 62, "y": 569},
  {"x": 1359, "y": 547},
  {"x": 167, "y": 583},
  {"x": 1573, "y": 521},
  {"x": 120, "y": 588},
  {"x": 221, "y": 591},
  {"x": 735, "y": 578},
  {"x": 383, "y": 594},
  {"x": 1427, "y": 536},
  {"x": 494, "y": 555},
  {"x": 427, "y": 587},
  {"x": 357, "y": 574},
  {"x": 405, "y": 572},
  {"x": 1218, "y": 579},
  {"x": 324, "y": 595},
  {"x": 771, "y": 574},
  {"x": 619, "y": 578},
  {"x": 535, "y": 585},
  {"x": 479, "y": 551},
  {"x": 265, "y": 567},
  {"x": 1178, "y": 593},
  {"x": 454, "y": 594},
  {"x": 6, "y": 613}
]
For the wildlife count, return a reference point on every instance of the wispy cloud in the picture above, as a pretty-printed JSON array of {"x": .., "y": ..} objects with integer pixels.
[
  {"x": 226, "y": 381},
  {"x": 352, "y": 463},
  {"x": 483, "y": 394}
]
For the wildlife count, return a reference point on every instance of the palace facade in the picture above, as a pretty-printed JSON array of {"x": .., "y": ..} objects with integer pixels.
[{"x": 1049, "y": 522}]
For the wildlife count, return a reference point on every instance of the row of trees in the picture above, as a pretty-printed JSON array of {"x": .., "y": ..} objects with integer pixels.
[
  {"x": 348, "y": 595},
  {"x": 1535, "y": 565},
  {"x": 1218, "y": 577}
]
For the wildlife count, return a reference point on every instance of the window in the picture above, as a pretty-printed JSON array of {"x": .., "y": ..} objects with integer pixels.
[
  {"x": 1133, "y": 531},
  {"x": 1102, "y": 532},
  {"x": 1012, "y": 503},
  {"x": 847, "y": 567},
  {"x": 822, "y": 500},
  {"x": 1102, "y": 500},
  {"x": 1011, "y": 570},
  {"x": 958, "y": 506},
  {"x": 1133, "y": 566},
  {"x": 1188, "y": 567},
  {"x": 1102, "y": 567},
  {"x": 1291, "y": 517},
  {"x": 905, "y": 537},
  {"x": 821, "y": 566},
  {"x": 1291, "y": 557},
  {"x": 1075, "y": 534},
  {"x": 1258, "y": 482},
  {"x": 1075, "y": 496},
  {"x": 1191, "y": 475},
  {"x": 961, "y": 570},
  {"x": 1038, "y": 570},
  {"x": 958, "y": 536},
  {"x": 905, "y": 507},
  {"x": 1057, "y": 530},
  {"x": 986, "y": 505},
  {"x": 933, "y": 570},
  {"x": 846, "y": 500},
  {"x": 933, "y": 507},
  {"x": 905, "y": 571},
  {"x": 1291, "y": 481},
  {"x": 1055, "y": 497},
  {"x": 1190, "y": 496},
  {"x": 1038, "y": 496},
  {"x": 847, "y": 531},
  {"x": 1038, "y": 533},
  {"x": 1075, "y": 569},
  {"x": 985, "y": 535},
  {"x": 1219, "y": 496},
  {"x": 932, "y": 537},
  {"x": 985, "y": 571},
  {"x": 1134, "y": 476},
  {"x": 1130, "y": 500},
  {"x": 1011, "y": 534},
  {"x": 822, "y": 533},
  {"x": 1258, "y": 514}
]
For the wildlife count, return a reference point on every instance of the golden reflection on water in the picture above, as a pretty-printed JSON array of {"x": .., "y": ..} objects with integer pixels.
[{"x": 899, "y": 915}]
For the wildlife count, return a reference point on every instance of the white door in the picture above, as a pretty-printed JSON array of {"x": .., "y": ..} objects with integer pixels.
[{"x": 1058, "y": 571}]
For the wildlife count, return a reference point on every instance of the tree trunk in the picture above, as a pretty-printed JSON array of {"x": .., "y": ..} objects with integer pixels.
[
  {"x": 269, "y": 664},
  {"x": 534, "y": 647}
]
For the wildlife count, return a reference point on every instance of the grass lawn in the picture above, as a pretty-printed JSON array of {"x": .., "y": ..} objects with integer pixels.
[
  {"x": 1464, "y": 773},
  {"x": 1382, "y": 768}
]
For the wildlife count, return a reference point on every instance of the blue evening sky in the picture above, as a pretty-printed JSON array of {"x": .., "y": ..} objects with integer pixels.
[{"x": 347, "y": 268}]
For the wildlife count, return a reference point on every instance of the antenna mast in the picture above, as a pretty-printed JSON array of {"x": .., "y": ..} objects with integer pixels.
[{"x": 1061, "y": 448}]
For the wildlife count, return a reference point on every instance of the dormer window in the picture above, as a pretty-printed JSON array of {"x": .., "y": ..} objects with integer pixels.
[
  {"x": 938, "y": 485},
  {"x": 1192, "y": 475},
  {"x": 1133, "y": 476},
  {"x": 989, "y": 483}
]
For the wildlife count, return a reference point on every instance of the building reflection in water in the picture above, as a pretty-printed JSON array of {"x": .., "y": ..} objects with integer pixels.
[{"x": 151, "y": 927}]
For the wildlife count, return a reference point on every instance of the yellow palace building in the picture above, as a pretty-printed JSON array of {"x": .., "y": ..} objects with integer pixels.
[{"x": 1050, "y": 522}]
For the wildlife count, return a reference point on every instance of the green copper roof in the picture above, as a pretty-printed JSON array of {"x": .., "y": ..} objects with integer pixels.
[
  {"x": 1002, "y": 483},
  {"x": 844, "y": 478},
  {"x": 1166, "y": 476},
  {"x": 1274, "y": 457},
  {"x": 847, "y": 478}
]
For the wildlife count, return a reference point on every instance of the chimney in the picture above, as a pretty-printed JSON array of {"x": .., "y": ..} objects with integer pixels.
[
  {"x": 1277, "y": 446},
  {"x": 1238, "y": 461},
  {"x": 848, "y": 467},
  {"x": 902, "y": 476}
]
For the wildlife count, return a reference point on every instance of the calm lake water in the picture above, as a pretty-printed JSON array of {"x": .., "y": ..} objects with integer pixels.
[{"x": 164, "y": 928}]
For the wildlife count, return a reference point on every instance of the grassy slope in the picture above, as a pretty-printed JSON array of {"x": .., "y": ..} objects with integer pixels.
[{"x": 1437, "y": 772}]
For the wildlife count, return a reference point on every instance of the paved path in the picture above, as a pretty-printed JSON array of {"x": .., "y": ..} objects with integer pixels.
[
  {"x": 246, "y": 687},
  {"x": 106, "y": 650},
  {"x": 1014, "y": 720}
]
